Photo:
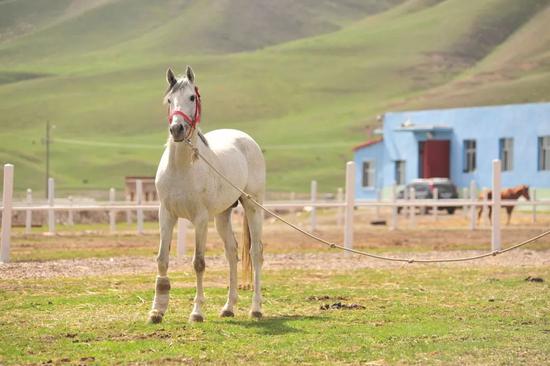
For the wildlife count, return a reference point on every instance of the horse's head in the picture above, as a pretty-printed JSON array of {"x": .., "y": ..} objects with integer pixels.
[
  {"x": 525, "y": 192},
  {"x": 184, "y": 105}
]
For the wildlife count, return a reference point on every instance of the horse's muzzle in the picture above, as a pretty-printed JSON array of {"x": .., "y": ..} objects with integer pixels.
[{"x": 177, "y": 130}]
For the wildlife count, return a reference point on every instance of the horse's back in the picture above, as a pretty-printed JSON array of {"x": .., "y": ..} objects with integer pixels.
[{"x": 225, "y": 143}]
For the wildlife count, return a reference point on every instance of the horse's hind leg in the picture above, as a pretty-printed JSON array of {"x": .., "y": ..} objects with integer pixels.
[
  {"x": 254, "y": 215},
  {"x": 162, "y": 288},
  {"x": 223, "y": 225}
]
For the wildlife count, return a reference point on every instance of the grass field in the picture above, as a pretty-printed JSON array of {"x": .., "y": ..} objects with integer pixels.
[
  {"x": 306, "y": 79},
  {"x": 82, "y": 297},
  {"x": 417, "y": 315}
]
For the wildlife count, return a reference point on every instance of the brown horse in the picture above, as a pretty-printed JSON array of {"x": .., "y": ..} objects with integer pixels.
[{"x": 507, "y": 194}]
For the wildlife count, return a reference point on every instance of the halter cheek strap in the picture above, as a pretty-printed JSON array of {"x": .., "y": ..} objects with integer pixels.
[{"x": 193, "y": 122}]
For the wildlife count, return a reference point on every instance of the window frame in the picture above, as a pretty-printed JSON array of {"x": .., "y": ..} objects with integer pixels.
[
  {"x": 544, "y": 153},
  {"x": 371, "y": 173},
  {"x": 400, "y": 172},
  {"x": 469, "y": 147},
  {"x": 506, "y": 153}
]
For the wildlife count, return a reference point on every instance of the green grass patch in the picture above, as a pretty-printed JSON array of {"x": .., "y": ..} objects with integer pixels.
[{"x": 423, "y": 315}]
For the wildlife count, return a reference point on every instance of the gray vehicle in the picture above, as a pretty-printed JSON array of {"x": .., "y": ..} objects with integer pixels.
[{"x": 424, "y": 189}]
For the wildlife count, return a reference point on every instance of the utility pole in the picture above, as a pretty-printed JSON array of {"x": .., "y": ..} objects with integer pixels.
[{"x": 47, "y": 142}]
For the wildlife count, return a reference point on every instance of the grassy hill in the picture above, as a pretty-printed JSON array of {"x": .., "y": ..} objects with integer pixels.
[{"x": 306, "y": 79}]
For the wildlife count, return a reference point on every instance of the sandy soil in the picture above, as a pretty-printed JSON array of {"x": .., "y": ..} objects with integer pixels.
[{"x": 332, "y": 261}]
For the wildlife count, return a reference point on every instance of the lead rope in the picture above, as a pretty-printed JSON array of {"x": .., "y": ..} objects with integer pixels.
[{"x": 338, "y": 246}]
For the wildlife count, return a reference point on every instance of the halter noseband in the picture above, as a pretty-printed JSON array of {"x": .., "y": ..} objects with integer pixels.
[{"x": 192, "y": 122}]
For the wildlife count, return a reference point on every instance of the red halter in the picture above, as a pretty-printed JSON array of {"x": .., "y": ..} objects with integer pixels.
[{"x": 193, "y": 122}]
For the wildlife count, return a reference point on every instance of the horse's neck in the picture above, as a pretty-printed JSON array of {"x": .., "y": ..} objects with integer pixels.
[{"x": 182, "y": 156}]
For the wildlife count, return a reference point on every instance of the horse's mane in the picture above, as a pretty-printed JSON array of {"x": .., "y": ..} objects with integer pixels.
[{"x": 180, "y": 84}]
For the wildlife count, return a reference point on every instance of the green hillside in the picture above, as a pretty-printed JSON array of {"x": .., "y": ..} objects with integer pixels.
[{"x": 305, "y": 78}]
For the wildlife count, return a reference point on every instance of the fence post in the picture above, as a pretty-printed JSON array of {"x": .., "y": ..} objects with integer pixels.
[
  {"x": 533, "y": 199},
  {"x": 350, "y": 200},
  {"x": 112, "y": 212},
  {"x": 182, "y": 233},
  {"x": 70, "y": 214},
  {"x": 51, "y": 212},
  {"x": 313, "y": 208},
  {"x": 412, "y": 209},
  {"x": 7, "y": 202},
  {"x": 495, "y": 233},
  {"x": 28, "y": 213},
  {"x": 139, "y": 210},
  {"x": 339, "y": 210},
  {"x": 435, "y": 208},
  {"x": 464, "y": 198},
  {"x": 485, "y": 211},
  {"x": 393, "y": 207},
  {"x": 473, "y": 198}
]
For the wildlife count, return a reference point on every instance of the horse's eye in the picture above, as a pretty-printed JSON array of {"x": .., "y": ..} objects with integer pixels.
[
  {"x": 192, "y": 98},
  {"x": 169, "y": 101}
]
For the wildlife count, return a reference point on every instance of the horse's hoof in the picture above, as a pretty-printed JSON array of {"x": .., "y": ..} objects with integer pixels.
[
  {"x": 155, "y": 317},
  {"x": 227, "y": 314},
  {"x": 256, "y": 314},
  {"x": 196, "y": 318}
]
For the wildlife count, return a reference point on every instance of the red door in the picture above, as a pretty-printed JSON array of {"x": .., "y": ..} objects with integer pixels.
[{"x": 435, "y": 159}]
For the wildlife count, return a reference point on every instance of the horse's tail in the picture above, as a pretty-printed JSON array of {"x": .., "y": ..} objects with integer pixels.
[{"x": 245, "y": 255}]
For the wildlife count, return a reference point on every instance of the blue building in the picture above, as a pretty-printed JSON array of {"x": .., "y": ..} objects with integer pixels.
[{"x": 459, "y": 144}]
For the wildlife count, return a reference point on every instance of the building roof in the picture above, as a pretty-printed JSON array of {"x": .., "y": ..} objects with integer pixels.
[{"x": 368, "y": 143}]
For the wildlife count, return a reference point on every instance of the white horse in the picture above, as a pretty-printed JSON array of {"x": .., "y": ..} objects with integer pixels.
[{"x": 188, "y": 188}]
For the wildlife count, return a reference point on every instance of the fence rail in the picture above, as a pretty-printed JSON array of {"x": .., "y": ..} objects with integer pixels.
[{"x": 344, "y": 203}]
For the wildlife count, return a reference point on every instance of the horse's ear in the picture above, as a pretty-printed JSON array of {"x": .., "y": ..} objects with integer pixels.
[
  {"x": 170, "y": 77},
  {"x": 190, "y": 74}
]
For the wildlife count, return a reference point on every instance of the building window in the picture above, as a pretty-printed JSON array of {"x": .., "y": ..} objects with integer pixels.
[
  {"x": 368, "y": 174},
  {"x": 400, "y": 172},
  {"x": 544, "y": 153},
  {"x": 506, "y": 153},
  {"x": 469, "y": 156}
]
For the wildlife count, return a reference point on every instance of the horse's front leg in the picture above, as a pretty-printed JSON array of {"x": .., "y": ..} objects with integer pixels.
[
  {"x": 509, "y": 210},
  {"x": 201, "y": 229},
  {"x": 162, "y": 288}
]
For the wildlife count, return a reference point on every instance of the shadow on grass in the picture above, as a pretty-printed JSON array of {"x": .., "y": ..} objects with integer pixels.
[{"x": 274, "y": 325}]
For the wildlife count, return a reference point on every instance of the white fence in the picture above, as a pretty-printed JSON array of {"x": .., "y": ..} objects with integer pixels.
[{"x": 345, "y": 205}]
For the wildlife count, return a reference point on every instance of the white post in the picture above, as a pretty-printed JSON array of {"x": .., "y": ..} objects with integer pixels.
[
  {"x": 412, "y": 209},
  {"x": 313, "y": 208},
  {"x": 340, "y": 210},
  {"x": 378, "y": 200},
  {"x": 393, "y": 207},
  {"x": 6, "y": 213},
  {"x": 473, "y": 198},
  {"x": 485, "y": 211},
  {"x": 182, "y": 233},
  {"x": 435, "y": 207},
  {"x": 495, "y": 233},
  {"x": 350, "y": 200},
  {"x": 51, "y": 212},
  {"x": 533, "y": 199},
  {"x": 139, "y": 210},
  {"x": 70, "y": 215},
  {"x": 112, "y": 213},
  {"x": 464, "y": 197},
  {"x": 28, "y": 213}
]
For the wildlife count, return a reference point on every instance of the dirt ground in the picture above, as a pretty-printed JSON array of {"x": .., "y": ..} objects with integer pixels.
[
  {"x": 96, "y": 252},
  {"x": 333, "y": 261}
]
